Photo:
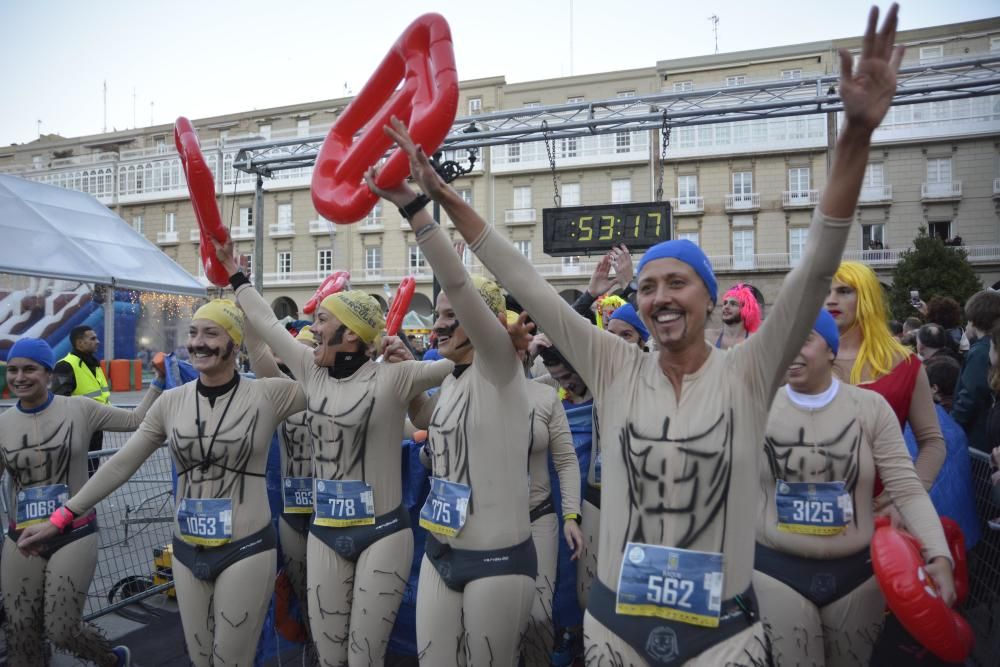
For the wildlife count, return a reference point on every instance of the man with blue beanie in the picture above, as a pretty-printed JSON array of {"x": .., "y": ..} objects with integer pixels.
[
  {"x": 681, "y": 428},
  {"x": 44, "y": 441},
  {"x": 826, "y": 442},
  {"x": 625, "y": 324}
]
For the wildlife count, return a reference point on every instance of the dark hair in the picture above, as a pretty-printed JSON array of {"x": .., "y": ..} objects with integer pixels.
[
  {"x": 943, "y": 372},
  {"x": 77, "y": 333},
  {"x": 933, "y": 335},
  {"x": 945, "y": 311},
  {"x": 983, "y": 309},
  {"x": 994, "y": 376},
  {"x": 896, "y": 327},
  {"x": 911, "y": 323},
  {"x": 553, "y": 357}
]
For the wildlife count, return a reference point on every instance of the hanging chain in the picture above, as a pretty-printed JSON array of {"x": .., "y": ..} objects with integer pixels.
[
  {"x": 550, "y": 150},
  {"x": 664, "y": 141}
]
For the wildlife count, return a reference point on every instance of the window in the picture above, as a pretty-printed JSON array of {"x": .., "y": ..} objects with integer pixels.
[
  {"x": 514, "y": 153},
  {"x": 693, "y": 237},
  {"x": 742, "y": 182},
  {"x": 796, "y": 244},
  {"x": 798, "y": 179},
  {"x": 931, "y": 54},
  {"x": 576, "y": 99},
  {"x": 872, "y": 237},
  {"x": 683, "y": 86},
  {"x": 375, "y": 216},
  {"x": 522, "y": 197},
  {"x": 284, "y": 215},
  {"x": 939, "y": 170},
  {"x": 874, "y": 175},
  {"x": 324, "y": 261},
  {"x": 37, "y": 161},
  {"x": 161, "y": 146},
  {"x": 687, "y": 189},
  {"x": 994, "y": 44},
  {"x": 264, "y": 131},
  {"x": 523, "y": 247},
  {"x": 467, "y": 257},
  {"x": 284, "y": 263},
  {"x": 624, "y": 94},
  {"x": 245, "y": 260},
  {"x": 939, "y": 230},
  {"x": 137, "y": 223},
  {"x": 246, "y": 217},
  {"x": 791, "y": 74},
  {"x": 373, "y": 258},
  {"x": 568, "y": 147},
  {"x": 475, "y": 105},
  {"x": 737, "y": 80},
  {"x": 532, "y": 105},
  {"x": 170, "y": 223},
  {"x": 571, "y": 264},
  {"x": 302, "y": 127},
  {"x": 742, "y": 248},
  {"x": 623, "y": 142},
  {"x": 464, "y": 193},
  {"x": 621, "y": 190},
  {"x": 417, "y": 263},
  {"x": 569, "y": 194}
]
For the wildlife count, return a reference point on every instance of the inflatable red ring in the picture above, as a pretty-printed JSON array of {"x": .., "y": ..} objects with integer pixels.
[
  {"x": 201, "y": 187},
  {"x": 912, "y": 596},
  {"x": 290, "y": 628},
  {"x": 400, "y": 306},
  {"x": 423, "y": 60},
  {"x": 335, "y": 282}
]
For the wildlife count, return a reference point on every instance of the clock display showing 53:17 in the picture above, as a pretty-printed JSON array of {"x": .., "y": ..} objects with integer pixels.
[{"x": 590, "y": 230}]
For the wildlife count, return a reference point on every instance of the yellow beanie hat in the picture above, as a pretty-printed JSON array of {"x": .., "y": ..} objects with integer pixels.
[
  {"x": 306, "y": 334},
  {"x": 360, "y": 312},
  {"x": 491, "y": 294},
  {"x": 226, "y": 314}
]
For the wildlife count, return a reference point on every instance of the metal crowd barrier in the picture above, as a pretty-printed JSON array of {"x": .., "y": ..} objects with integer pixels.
[{"x": 982, "y": 609}]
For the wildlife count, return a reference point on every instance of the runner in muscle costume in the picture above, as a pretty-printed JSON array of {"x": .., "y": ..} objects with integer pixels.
[
  {"x": 812, "y": 572},
  {"x": 296, "y": 473},
  {"x": 549, "y": 435},
  {"x": 218, "y": 431},
  {"x": 477, "y": 578},
  {"x": 681, "y": 428},
  {"x": 44, "y": 441},
  {"x": 360, "y": 544}
]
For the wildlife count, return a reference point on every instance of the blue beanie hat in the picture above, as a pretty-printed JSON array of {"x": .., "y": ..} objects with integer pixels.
[
  {"x": 826, "y": 327},
  {"x": 690, "y": 254},
  {"x": 628, "y": 315},
  {"x": 35, "y": 349}
]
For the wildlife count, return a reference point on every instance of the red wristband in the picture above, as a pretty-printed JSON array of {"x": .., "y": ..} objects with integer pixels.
[{"x": 62, "y": 519}]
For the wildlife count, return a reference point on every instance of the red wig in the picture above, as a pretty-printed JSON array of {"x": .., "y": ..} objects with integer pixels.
[{"x": 749, "y": 308}]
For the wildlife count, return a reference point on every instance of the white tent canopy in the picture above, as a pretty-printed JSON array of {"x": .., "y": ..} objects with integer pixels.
[{"x": 50, "y": 232}]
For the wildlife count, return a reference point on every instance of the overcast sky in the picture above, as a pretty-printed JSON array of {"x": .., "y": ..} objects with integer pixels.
[{"x": 163, "y": 59}]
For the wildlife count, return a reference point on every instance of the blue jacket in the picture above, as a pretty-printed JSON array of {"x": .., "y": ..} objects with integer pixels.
[{"x": 972, "y": 395}]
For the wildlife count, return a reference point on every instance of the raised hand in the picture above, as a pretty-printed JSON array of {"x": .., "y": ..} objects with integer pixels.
[
  {"x": 621, "y": 261},
  {"x": 421, "y": 169},
  {"x": 224, "y": 253},
  {"x": 600, "y": 282},
  {"x": 868, "y": 88}
]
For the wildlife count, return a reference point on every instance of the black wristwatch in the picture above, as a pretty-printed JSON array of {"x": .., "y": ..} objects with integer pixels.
[
  {"x": 630, "y": 289},
  {"x": 411, "y": 209}
]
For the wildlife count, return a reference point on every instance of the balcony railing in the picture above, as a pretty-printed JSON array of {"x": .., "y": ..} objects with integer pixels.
[
  {"x": 947, "y": 190},
  {"x": 167, "y": 238},
  {"x": 242, "y": 233},
  {"x": 743, "y": 202},
  {"x": 371, "y": 224},
  {"x": 321, "y": 227},
  {"x": 520, "y": 216},
  {"x": 875, "y": 194},
  {"x": 195, "y": 236},
  {"x": 281, "y": 230},
  {"x": 996, "y": 187},
  {"x": 578, "y": 151},
  {"x": 799, "y": 198},
  {"x": 687, "y": 205}
]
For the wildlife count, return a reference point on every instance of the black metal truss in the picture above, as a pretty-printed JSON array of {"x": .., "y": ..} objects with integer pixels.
[{"x": 936, "y": 82}]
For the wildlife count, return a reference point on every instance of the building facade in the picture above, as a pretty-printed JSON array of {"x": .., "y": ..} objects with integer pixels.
[{"x": 744, "y": 191}]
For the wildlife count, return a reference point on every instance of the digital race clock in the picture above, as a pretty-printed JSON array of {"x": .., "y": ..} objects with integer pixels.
[{"x": 592, "y": 230}]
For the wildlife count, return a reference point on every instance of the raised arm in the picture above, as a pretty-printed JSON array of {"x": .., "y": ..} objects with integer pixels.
[
  {"x": 866, "y": 92},
  {"x": 109, "y": 418},
  {"x": 262, "y": 362},
  {"x": 495, "y": 353}
]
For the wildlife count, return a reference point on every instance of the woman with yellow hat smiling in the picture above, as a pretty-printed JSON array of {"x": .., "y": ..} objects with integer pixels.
[
  {"x": 360, "y": 545},
  {"x": 218, "y": 431}
]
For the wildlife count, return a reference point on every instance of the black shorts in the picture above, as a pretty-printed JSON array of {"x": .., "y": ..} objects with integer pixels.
[
  {"x": 662, "y": 641},
  {"x": 821, "y": 581},
  {"x": 62, "y": 539},
  {"x": 592, "y": 494},
  {"x": 350, "y": 541},
  {"x": 545, "y": 507},
  {"x": 298, "y": 522},
  {"x": 207, "y": 563},
  {"x": 459, "y": 567}
]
